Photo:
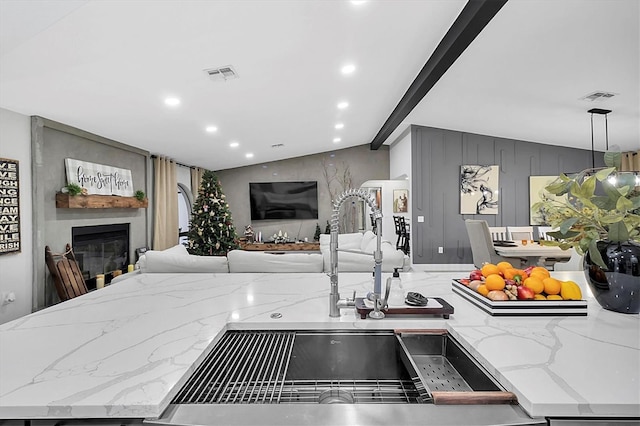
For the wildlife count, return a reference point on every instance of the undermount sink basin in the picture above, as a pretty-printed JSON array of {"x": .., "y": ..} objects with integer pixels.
[{"x": 278, "y": 367}]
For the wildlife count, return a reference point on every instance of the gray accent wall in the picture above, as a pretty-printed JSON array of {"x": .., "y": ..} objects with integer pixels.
[
  {"x": 52, "y": 142},
  {"x": 436, "y": 156},
  {"x": 362, "y": 163}
]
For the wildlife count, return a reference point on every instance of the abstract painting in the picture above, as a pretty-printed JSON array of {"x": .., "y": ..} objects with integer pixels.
[
  {"x": 536, "y": 188},
  {"x": 479, "y": 189}
]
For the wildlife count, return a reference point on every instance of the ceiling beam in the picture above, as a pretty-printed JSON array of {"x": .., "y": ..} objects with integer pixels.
[{"x": 471, "y": 21}]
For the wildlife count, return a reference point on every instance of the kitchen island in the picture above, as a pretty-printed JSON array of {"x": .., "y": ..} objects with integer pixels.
[{"x": 125, "y": 350}]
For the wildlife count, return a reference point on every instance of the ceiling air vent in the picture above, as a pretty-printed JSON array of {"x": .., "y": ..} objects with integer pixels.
[
  {"x": 222, "y": 74},
  {"x": 598, "y": 96}
]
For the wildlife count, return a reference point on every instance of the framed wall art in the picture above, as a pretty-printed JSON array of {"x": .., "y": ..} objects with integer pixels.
[
  {"x": 479, "y": 189},
  {"x": 536, "y": 188},
  {"x": 9, "y": 206},
  {"x": 400, "y": 200}
]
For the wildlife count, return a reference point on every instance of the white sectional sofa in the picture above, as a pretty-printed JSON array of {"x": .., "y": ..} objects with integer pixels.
[{"x": 178, "y": 260}]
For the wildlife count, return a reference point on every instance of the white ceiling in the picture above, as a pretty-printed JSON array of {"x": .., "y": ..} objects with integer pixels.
[{"x": 106, "y": 67}]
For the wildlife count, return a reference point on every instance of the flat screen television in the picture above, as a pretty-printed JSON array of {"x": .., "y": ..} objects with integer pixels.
[{"x": 284, "y": 200}]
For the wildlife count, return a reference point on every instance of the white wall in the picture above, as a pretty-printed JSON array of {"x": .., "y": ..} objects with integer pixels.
[
  {"x": 400, "y": 158},
  {"x": 16, "y": 268}
]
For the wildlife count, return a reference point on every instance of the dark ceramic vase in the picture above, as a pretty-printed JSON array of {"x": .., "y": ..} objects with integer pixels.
[{"x": 616, "y": 288}]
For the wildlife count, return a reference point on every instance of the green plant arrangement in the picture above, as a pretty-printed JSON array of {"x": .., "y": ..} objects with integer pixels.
[
  {"x": 600, "y": 205},
  {"x": 139, "y": 195},
  {"x": 73, "y": 189}
]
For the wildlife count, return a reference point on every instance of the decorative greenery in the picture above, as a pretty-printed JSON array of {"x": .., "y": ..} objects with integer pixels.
[
  {"x": 327, "y": 229},
  {"x": 139, "y": 195},
  {"x": 588, "y": 215},
  {"x": 74, "y": 189},
  {"x": 316, "y": 236},
  {"x": 211, "y": 231}
]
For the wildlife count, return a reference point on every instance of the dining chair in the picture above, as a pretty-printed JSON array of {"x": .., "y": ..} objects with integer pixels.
[
  {"x": 498, "y": 233},
  {"x": 542, "y": 233},
  {"x": 573, "y": 264},
  {"x": 66, "y": 273},
  {"x": 517, "y": 233},
  {"x": 482, "y": 248}
]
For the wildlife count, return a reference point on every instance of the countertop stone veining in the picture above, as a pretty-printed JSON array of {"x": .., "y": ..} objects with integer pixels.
[{"x": 123, "y": 351}]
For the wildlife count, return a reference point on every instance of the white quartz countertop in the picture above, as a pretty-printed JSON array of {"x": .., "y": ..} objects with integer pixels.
[{"x": 123, "y": 351}]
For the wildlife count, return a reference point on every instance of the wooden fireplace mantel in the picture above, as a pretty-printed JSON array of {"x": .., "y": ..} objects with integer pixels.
[{"x": 66, "y": 201}]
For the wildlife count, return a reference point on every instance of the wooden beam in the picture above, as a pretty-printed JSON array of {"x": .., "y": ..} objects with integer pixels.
[{"x": 471, "y": 21}]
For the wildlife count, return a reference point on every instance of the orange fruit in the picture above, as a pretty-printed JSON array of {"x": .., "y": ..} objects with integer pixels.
[
  {"x": 538, "y": 275},
  {"x": 483, "y": 290},
  {"x": 503, "y": 266},
  {"x": 551, "y": 286},
  {"x": 539, "y": 297},
  {"x": 535, "y": 284},
  {"x": 554, "y": 297},
  {"x": 494, "y": 282},
  {"x": 488, "y": 269},
  {"x": 541, "y": 270}
]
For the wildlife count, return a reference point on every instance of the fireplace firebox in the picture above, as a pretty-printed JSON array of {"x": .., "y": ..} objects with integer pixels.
[{"x": 101, "y": 249}]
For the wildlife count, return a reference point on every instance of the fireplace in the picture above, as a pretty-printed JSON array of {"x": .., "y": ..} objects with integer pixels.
[{"x": 101, "y": 249}]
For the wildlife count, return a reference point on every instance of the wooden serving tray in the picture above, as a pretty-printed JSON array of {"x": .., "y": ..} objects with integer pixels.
[
  {"x": 521, "y": 307},
  {"x": 445, "y": 310}
]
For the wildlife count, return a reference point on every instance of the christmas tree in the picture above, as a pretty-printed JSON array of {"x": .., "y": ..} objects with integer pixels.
[{"x": 211, "y": 230}]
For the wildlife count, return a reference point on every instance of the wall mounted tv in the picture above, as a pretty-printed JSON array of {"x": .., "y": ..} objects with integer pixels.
[{"x": 284, "y": 200}]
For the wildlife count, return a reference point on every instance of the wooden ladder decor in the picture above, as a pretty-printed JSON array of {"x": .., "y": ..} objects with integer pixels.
[{"x": 66, "y": 273}]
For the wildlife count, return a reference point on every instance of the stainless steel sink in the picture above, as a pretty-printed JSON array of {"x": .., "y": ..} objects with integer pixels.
[
  {"x": 279, "y": 367},
  {"x": 285, "y": 377}
]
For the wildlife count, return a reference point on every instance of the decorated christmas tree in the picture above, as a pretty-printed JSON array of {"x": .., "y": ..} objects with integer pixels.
[{"x": 211, "y": 231}]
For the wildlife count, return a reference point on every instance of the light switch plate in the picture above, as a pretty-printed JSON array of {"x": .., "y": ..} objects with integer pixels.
[{"x": 420, "y": 219}]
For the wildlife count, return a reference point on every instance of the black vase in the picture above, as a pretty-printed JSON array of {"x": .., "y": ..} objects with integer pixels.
[{"x": 616, "y": 288}]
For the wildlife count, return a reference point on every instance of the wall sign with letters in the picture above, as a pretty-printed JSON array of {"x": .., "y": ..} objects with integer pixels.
[
  {"x": 99, "y": 179},
  {"x": 9, "y": 206}
]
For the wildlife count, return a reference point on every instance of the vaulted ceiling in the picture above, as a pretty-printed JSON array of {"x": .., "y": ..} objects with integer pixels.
[{"x": 107, "y": 67}]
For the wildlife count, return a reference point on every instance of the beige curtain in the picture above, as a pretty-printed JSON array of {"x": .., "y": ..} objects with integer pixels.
[
  {"x": 165, "y": 197},
  {"x": 196, "y": 181},
  {"x": 630, "y": 161}
]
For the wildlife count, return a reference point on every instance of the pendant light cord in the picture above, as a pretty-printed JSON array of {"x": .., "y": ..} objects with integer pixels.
[
  {"x": 593, "y": 154},
  {"x": 606, "y": 130}
]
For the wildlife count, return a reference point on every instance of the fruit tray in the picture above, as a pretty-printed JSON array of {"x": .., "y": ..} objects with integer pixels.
[{"x": 520, "y": 307}]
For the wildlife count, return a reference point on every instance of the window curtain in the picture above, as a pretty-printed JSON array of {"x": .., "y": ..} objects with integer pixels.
[
  {"x": 196, "y": 181},
  {"x": 165, "y": 195},
  {"x": 630, "y": 161}
]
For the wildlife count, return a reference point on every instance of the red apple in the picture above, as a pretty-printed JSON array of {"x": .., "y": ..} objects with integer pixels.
[
  {"x": 528, "y": 269},
  {"x": 525, "y": 293},
  {"x": 476, "y": 274}
]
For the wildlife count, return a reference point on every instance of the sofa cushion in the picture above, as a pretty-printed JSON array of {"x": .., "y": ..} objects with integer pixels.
[
  {"x": 368, "y": 238},
  {"x": 259, "y": 261},
  {"x": 351, "y": 241},
  {"x": 169, "y": 262}
]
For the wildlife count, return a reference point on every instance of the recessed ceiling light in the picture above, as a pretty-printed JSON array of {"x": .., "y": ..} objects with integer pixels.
[
  {"x": 234, "y": 144},
  {"x": 343, "y": 105},
  {"x": 211, "y": 129},
  {"x": 172, "y": 101},
  {"x": 336, "y": 140},
  {"x": 249, "y": 155},
  {"x": 348, "y": 69},
  {"x": 339, "y": 126}
]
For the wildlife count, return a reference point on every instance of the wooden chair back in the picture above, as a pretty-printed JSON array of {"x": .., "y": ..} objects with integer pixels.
[
  {"x": 498, "y": 233},
  {"x": 518, "y": 233},
  {"x": 66, "y": 273}
]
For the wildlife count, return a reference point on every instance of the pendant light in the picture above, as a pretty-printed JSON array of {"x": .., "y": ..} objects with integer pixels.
[{"x": 606, "y": 131}]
